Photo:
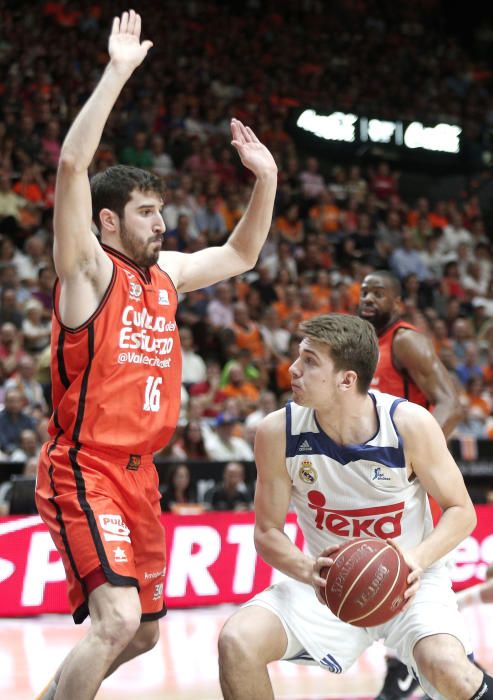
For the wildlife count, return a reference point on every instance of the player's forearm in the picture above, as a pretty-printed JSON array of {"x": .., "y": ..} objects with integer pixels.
[
  {"x": 455, "y": 524},
  {"x": 84, "y": 135},
  {"x": 251, "y": 231},
  {"x": 277, "y": 550}
]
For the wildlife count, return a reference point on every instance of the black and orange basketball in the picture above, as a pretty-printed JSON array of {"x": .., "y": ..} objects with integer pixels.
[{"x": 365, "y": 585}]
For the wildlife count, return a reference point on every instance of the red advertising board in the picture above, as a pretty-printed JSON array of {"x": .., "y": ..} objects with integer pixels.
[{"x": 211, "y": 559}]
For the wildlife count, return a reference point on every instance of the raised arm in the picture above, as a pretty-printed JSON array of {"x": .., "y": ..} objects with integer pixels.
[
  {"x": 81, "y": 264},
  {"x": 414, "y": 353},
  {"x": 241, "y": 250},
  {"x": 272, "y": 497},
  {"x": 428, "y": 457}
]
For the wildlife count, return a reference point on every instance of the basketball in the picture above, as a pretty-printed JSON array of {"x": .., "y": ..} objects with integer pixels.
[{"x": 365, "y": 585}]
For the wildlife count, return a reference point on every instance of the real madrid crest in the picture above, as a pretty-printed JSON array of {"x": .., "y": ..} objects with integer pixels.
[{"x": 307, "y": 473}]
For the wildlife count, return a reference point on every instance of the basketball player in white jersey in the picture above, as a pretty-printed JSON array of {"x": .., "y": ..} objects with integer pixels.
[{"x": 353, "y": 463}]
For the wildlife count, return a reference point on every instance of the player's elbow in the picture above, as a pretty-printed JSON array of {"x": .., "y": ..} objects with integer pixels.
[
  {"x": 472, "y": 518},
  {"x": 261, "y": 539},
  {"x": 69, "y": 163},
  {"x": 458, "y": 411}
]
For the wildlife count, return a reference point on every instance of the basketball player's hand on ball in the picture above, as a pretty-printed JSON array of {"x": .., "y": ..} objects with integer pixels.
[
  {"x": 254, "y": 155},
  {"x": 321, "y": 567},
  {"x": 124, "y": 47},
  {"x": 413, "y": 580}
]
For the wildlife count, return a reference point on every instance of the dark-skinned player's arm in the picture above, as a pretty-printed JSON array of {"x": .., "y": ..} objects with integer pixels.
[{"x": 415, "y": 353}]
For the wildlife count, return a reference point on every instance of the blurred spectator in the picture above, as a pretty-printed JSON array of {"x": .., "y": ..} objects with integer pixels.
[
  {"x": 11, "y": 204},
  {"x": 9, "y": 309},
  {"x": 209, "y": 392},
  {"x": 24, "y": 379},
  {"x": 246, "y": 332},
  {"x": 29, "y": 447},
  {"x": 406, "y": 260},
  {"x": 50, "y": 143},
  {"x": 44, "y": 290},
  {"x": 13, "y": 420},
  {"x": 312, "y": 182},
  {"x": 6, "y": 489},
  {"x": 220, "y": 309},
  {"x": 222, "y": 445},
  {"x": 176, "y": 206},
  {"x": 35, "y": 257},
  {"x": 178, "y": 489},
  {"x": 450, "y": 282},
  {"x": 138, "y": 153},
  {"x": 193, "y": 366},
  {"x": 35, "y": 328},
  {"x": 238, "y": 386},
  {"x": 211, "y": 222},
  {"x": 11, "y": 350},
  {"x": 462, "y": 333},
  {"x": 161, "y": 164},
  {"x": 191, "y": 443},
  {"x": 266, "y": 404},
  {"x": 289, "y": 225},
  {"x": 274, "y": 336},
  {"x": 469, "y": 367},
  {"x": 232, "y": 493}
]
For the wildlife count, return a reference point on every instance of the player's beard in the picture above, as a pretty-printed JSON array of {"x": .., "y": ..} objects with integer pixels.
[
  {"x": 380, "y": 320},
  {"x": 138, "y": 251}
]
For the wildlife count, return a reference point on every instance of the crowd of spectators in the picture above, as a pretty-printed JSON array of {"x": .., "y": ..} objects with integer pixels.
[{"x": 333, "y": 222}]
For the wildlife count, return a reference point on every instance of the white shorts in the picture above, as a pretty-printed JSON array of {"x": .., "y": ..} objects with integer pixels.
[{"x": 315, "y": 635}]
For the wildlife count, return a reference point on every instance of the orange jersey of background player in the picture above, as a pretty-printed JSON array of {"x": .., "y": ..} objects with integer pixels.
[
  {"x": 129, "y": 348},
  {"x": 388, "y": 378}
]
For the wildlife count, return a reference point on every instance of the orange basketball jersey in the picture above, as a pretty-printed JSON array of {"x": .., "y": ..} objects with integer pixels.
[
  {"x": 387, "y": 377},
  {"x": 116, "y": 380}
]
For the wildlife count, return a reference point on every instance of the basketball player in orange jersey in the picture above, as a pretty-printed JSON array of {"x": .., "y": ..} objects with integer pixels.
[
  {"x": 408, "y": 366},
  {"x": 354, "y": 464},
  {"x": 116, "y": 374}
]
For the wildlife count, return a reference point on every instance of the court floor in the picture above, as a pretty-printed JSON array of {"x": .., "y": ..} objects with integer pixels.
[{"x": 183, "y": 666}]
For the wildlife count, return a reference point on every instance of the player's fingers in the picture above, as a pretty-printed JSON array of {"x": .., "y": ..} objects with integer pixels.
[
  {"x": 235, "y": 130},
  {"x": 116, "y": 25},
  {"x": 124, "y": 23},
  {"x": 242, "y": 130},
  {"x": 252, "y": 135},
  {"x": 131, "y": 22},
  {"x": 137, "y": 25}
]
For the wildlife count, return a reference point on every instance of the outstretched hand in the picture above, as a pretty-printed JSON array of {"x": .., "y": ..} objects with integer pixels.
[
  {"x": 124, "y": 46},
  {"x": 254, "y": 155}
]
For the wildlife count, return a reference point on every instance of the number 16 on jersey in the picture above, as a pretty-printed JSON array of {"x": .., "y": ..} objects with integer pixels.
[{"x": 152, "y": 398}]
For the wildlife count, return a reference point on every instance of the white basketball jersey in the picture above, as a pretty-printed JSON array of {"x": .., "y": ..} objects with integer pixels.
[{"x": 344, "y": 491}]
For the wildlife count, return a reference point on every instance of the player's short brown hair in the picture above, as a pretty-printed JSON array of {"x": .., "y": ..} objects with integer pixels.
[
  {"x": 352, "y": 341},
  {"x": 112, "y": 188}
]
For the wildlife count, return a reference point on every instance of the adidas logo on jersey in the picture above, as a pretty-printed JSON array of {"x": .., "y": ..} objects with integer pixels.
[{"x": 305, "y": 447}]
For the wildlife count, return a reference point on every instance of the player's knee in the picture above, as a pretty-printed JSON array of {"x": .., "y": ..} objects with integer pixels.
[
  {"x": 444, "y": 664},
  {"x": 146, "y": 638},
  {"x": 119, "y": 629},
  {"x": 233, "y": 647}
]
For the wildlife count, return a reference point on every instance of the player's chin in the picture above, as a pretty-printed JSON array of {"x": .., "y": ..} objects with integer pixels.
[
  {"x": 298, "y": 397},
  {"x": 152, "y": 257}
]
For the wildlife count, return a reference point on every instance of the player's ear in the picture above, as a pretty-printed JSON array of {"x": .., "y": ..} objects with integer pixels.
[
  {"x": 348, "y": 379},
  {"x": 109, "y": 221}
]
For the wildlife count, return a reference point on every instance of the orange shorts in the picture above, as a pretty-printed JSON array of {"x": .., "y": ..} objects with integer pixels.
[{"x": 103, "y": 513}]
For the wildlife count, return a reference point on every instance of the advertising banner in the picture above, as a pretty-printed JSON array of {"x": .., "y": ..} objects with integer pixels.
[{"x": 211, "y": 560}]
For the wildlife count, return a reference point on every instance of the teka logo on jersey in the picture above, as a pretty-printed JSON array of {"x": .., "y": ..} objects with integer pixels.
[
  {"x": 380, "y": 521},
  {"x": 114, "y": 529}
]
